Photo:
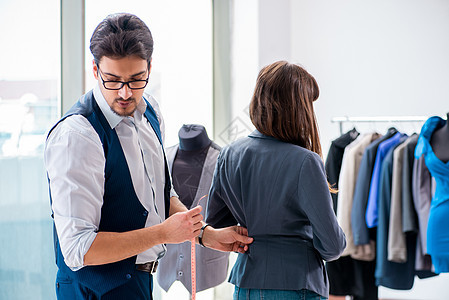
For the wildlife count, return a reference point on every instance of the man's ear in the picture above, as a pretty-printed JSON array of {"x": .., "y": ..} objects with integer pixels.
[{"x": 95, "y": 69}]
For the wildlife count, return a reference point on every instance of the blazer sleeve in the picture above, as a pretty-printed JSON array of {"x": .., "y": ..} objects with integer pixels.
[
  {"x": 332, "y": 168},
  {"x": 397, "y": 248},
  {"x": 422, "y": 197},
  {"x": 217, "y": 213},
  {"x": 315, "y": 200},
  {"x": 359, "y": 229},
  {"x": 409, "y": 217}
]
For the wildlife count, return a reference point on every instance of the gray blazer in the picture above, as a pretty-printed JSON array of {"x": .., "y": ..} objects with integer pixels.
[
  {"x": 409, "y": 217},
  {"x": 422, "y": 196},
  {"x": 397, "y": 248},
  {"x": 279, "y": 192},
  {"x": 211, "y": 265}
]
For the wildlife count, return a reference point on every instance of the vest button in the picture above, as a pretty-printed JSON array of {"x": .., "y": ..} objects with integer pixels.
[
  {"x": 180, "y": 273},
  {"x": 181, "y": 256},
  {"x": 128, "y": 276},
  {"x": 145, "y": 213}
]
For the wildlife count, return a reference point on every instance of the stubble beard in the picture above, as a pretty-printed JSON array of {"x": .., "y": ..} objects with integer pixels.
[{"x": 123, "y": 112}]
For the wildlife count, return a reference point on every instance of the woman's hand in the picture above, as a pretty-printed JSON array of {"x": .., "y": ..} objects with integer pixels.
[{"x": 233, "y": 238}]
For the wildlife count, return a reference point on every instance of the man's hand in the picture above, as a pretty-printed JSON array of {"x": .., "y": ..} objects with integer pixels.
[
  {"x": 233, "y": 238},
  {"x": 182, "y": 226}
]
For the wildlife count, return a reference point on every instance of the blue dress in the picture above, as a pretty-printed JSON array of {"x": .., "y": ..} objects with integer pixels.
[{"x": 437, "y": 229}]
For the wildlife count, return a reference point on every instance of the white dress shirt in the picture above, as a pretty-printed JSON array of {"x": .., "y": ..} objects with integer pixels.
[{"x": 75, "y": 164}]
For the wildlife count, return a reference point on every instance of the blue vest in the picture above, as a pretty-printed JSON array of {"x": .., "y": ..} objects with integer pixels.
[{"x": 121, "y": 210}]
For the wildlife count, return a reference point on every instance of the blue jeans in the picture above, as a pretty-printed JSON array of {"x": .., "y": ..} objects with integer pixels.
[{"x": 254, "y": 294}]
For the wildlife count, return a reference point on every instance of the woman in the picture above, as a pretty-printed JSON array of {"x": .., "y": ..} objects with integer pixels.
[{"x": 273, "y": 183}]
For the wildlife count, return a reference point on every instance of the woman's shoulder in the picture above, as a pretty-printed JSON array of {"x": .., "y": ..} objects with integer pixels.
[{"x": 269, "y": 147}]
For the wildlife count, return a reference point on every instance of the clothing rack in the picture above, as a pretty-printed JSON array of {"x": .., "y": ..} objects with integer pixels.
[{"x": 384, "y": 119}]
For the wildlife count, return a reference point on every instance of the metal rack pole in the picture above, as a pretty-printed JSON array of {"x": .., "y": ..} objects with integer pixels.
[{"x": 341, "y": 120}]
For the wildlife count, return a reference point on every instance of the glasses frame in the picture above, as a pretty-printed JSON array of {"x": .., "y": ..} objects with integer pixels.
[{"x": 122, "y": 82}]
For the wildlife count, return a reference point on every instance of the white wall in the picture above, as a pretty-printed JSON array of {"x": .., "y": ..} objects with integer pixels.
[{"x": 373, "y": 58}]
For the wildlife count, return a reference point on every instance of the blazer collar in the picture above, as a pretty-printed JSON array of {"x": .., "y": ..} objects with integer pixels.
[{"x": 257, "y": 134}]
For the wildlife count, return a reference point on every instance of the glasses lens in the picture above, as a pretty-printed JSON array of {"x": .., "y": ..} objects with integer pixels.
[
  {"x": 137, "y": 84},
  {"x": 113, "y": 85}
]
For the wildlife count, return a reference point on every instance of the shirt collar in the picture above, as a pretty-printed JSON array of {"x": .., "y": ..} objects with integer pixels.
[
  {"x": 112, "y": 118},
  {"x": 141, "y": 108}
]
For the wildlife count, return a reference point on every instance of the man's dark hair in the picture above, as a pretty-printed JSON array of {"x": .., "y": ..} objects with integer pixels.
[{"x": 121, "y": 35}]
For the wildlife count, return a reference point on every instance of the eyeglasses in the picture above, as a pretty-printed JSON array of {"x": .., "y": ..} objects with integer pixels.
[{"x": 117, "y": 85}]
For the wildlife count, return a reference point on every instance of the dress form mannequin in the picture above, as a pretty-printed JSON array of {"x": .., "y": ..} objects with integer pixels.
[
  {"x": 192, "y": 164},
  {"x": 433, "y": 143},
  {"x": 193, "y": 137},
  {"x": 440, "y": 142},
  {"x": 188, "y": 164}
]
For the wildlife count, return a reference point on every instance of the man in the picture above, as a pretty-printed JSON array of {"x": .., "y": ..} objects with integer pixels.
[{"x": 112, "y": 201}]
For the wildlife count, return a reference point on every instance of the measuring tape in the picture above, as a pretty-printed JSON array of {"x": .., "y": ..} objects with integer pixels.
[
  {"x": 193, "y": 267},
  {"x": 193, "y": 262}
]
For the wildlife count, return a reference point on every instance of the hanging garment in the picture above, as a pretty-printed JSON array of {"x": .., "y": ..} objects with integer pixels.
[
  {"x": 390, "y": 274},
  {"x": 356, "y": 279},
  {"x": 412, "y": 172},
  {"x": 422, "y": 195},
  {"x": 360, "y": 231},
  {"x": 348, "y": 276},
  {"x": 348, "y": 174},
  {"x": 409, "y": 217},
  {"x": 397, "y": 249},
  {"x": 371, "y": 209},
  {"x": 438, "y": 224},
  {"x": 211, "y": 265},
  {"x": 340, "y": 271},
  {"x": 334, "y": 160}
]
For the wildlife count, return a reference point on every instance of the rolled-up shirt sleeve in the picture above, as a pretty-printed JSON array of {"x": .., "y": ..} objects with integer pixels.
[
  {"x": 315, "y": 200},
  {"x": 75, "y": 164}
]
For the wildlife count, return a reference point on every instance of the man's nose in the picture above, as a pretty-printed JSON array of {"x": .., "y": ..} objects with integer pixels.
[{"x": 125, "y": 92}]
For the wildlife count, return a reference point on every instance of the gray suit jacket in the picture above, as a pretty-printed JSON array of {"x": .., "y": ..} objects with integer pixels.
[
  {"x": 397, "y": 248},
  {"x": 211, "y": 265},
  {"x": 279, "y": 192},
  {"x": 422, "y": 196},
  {"x": 409, "y": 217}
]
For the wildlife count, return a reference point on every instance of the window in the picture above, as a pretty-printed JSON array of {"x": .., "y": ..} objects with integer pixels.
[
  {"x": 181, "y": 74},
  {"x": 29, "y": 98}
]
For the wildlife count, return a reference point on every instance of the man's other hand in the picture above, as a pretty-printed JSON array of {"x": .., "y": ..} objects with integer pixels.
[{"x": 182, "y": 226}]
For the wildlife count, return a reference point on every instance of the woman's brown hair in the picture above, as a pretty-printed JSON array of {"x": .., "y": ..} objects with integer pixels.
[{"x": 282, "y": 105}]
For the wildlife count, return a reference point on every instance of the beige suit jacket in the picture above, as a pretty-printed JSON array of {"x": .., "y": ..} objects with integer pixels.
[{"x": 348, "y": 177}]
